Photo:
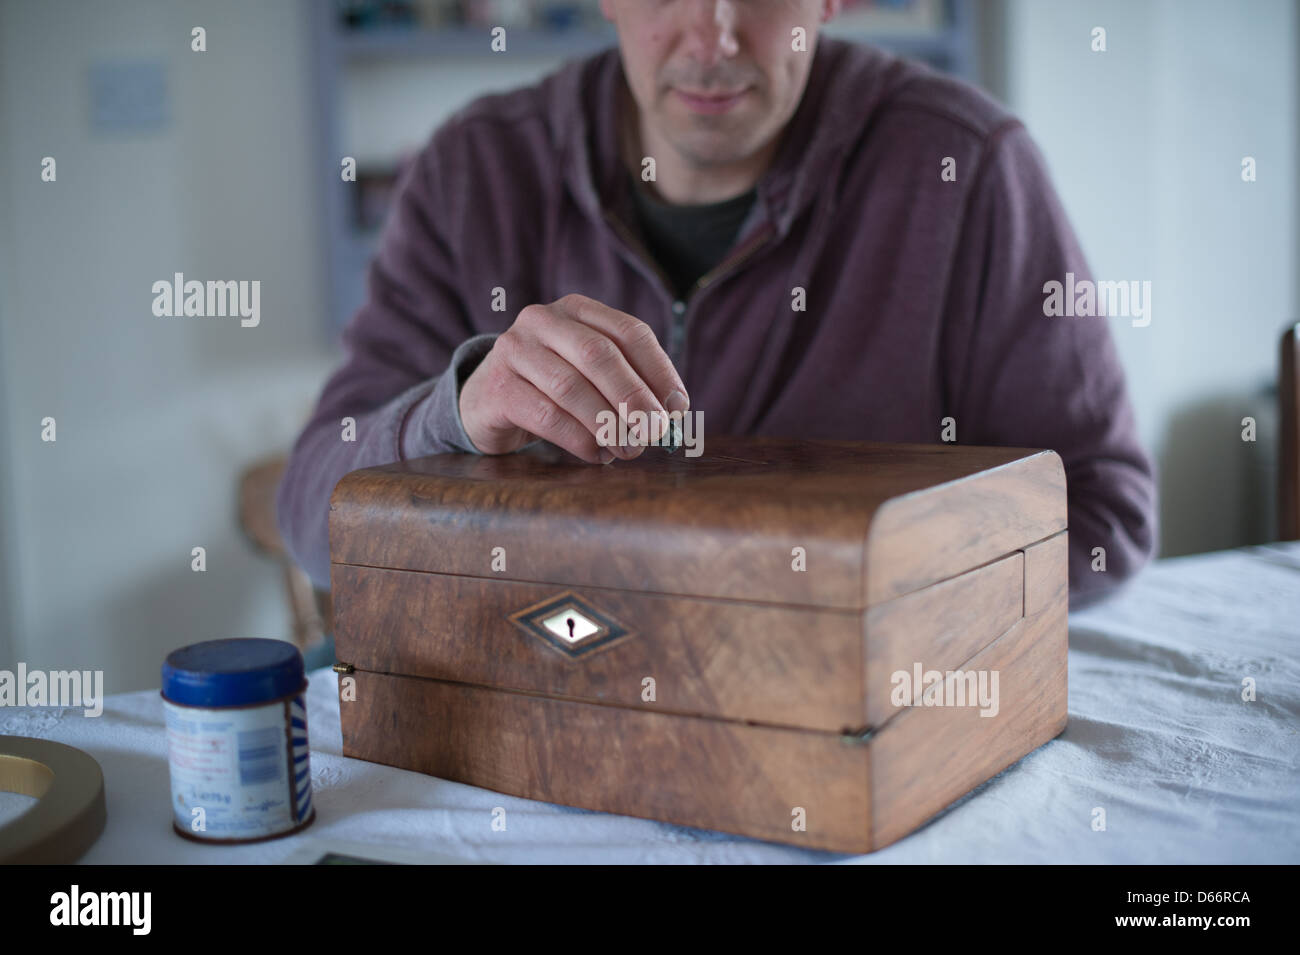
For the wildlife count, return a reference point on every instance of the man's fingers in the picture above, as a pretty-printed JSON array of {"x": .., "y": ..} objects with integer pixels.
[
  {"x": 597, "y": 357},
  {"x": 637, "y": 341},
  {"x": 535, "y": 413},
  {"x": 619, "y": 354},
  {"x": 564, "y": 384}
]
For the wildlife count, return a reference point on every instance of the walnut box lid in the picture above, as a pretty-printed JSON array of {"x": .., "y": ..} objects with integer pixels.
[{"x": 874, "y": 521}]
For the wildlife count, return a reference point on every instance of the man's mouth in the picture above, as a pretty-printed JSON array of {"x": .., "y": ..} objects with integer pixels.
[{"x": 718, "y": 101}]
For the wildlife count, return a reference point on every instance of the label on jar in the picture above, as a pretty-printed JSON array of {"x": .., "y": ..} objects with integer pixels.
[{"x": 239, "y": 773}]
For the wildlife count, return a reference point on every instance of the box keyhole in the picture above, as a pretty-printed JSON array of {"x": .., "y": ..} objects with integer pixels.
[{"x": 570, "y": 625}]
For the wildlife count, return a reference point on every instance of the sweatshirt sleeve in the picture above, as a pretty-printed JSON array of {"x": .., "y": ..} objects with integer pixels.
[
  {"x": 1024, "y": 379},
  {"x": 407, "y": 351}
]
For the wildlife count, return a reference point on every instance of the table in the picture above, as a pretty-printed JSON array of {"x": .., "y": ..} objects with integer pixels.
[{"x": 1159, "y": 738}]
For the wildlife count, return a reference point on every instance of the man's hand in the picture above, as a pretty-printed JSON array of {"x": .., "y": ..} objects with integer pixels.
[{"x": 556, "y": 368}]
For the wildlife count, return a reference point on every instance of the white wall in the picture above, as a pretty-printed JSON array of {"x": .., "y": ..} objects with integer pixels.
[
  {"x": 8, "y": 540},
  {"x": 156, "y": 417},
  {"x": 1145, "y": 142}
]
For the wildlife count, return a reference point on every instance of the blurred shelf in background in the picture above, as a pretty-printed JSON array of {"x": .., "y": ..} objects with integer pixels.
[
  {"x": 457, "y": 41},
  {"x": 560, "y": 28},
  {"x": 388, "y": 72}
]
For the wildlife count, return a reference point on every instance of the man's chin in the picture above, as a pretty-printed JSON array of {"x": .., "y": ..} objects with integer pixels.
[{"x": 713, "y": 147}]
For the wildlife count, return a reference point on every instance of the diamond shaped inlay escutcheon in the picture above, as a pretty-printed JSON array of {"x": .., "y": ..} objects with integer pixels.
[{"x": 570, "y": 624}]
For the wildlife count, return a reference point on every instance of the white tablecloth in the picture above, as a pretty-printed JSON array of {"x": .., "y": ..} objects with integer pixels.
[{"x": 1159, "y": 737}]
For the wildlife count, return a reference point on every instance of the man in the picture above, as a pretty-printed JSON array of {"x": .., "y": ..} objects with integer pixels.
[{"x": 834, "y": 244}]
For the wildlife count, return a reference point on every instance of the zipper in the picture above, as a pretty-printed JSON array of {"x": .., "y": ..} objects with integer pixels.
[
  {"x": 681, "y": 309},
  {"x": 676, "y": 330},
  {"x": 741, "y": 254},
  {"x": 640, "y": 253}
]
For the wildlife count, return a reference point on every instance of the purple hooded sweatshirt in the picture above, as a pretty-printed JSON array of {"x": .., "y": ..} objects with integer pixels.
[{"x": 924, "y": 295}]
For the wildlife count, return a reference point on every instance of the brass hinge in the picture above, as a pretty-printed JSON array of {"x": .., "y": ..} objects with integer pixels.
[{"x": 342, "y": 668}]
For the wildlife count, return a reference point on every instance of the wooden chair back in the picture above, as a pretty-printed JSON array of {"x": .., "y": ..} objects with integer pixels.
[
  {"x": 1288, "y": 504},
  {"x": 309, "y": 608}
]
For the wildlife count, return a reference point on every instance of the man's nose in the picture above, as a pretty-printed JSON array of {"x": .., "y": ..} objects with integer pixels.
[{"x": 711, "y": 30}]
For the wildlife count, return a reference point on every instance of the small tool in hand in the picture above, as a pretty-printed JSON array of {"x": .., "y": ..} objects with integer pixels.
[{"x": 672, "y": 438}]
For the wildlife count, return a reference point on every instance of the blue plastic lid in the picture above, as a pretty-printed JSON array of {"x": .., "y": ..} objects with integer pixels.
[{"x": 232, "y": 672}]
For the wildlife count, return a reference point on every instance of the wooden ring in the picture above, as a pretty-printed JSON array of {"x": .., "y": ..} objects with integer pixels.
[{"x": 70, "y": 813}]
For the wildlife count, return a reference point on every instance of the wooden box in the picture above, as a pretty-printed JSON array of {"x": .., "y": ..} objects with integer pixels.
[{"x": 748, "y": 628}]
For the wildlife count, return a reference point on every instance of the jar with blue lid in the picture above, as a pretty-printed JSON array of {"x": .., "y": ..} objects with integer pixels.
[{"x": 237, "y": 740}]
